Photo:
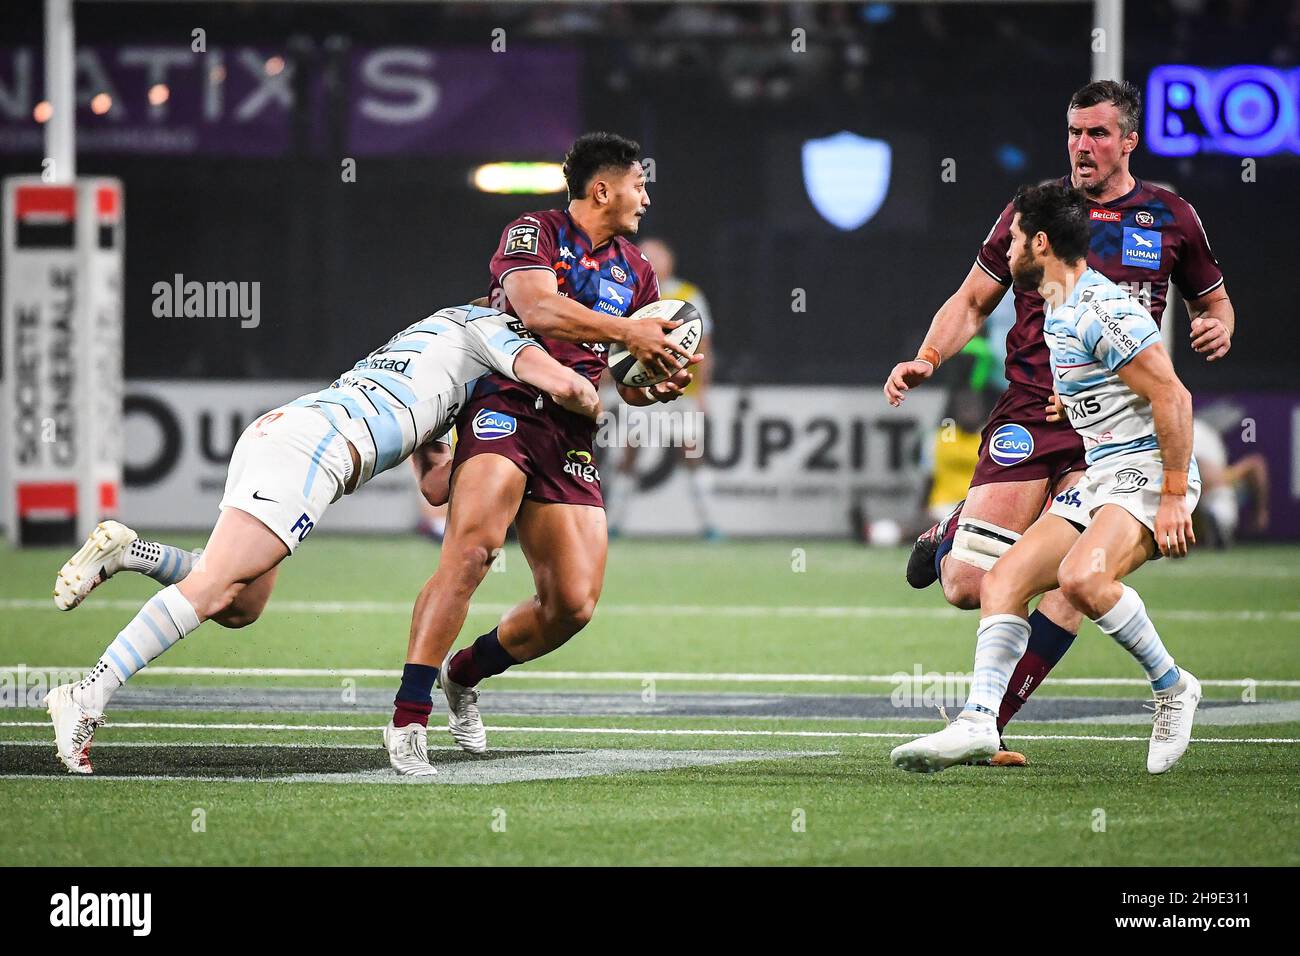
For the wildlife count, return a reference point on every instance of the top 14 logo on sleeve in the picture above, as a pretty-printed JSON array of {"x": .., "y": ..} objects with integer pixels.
[{"x": 1141, "y": 247}]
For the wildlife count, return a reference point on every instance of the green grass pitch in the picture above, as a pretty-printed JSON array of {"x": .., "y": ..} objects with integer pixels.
[{"x": 622, "y": 780}]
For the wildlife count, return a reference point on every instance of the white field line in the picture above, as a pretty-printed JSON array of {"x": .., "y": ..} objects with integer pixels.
[
  {"x": 638, "y": 732},
  {"x": 637, "y": 676},
  {"x": 801, "y": 611}
]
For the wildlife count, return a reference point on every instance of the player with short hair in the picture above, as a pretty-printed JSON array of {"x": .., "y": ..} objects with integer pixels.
[
  {"x": 1142, "y": 237},
  {"x": 1117, "y": 388},
  {"x": 287, "y": 468},
  {"x": 572, "y": 277}
]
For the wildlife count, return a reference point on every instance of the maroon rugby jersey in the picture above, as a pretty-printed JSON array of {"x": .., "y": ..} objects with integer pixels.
[
  {"x": 1139, "y": 241},
  {"x": 615, "y": 279}
]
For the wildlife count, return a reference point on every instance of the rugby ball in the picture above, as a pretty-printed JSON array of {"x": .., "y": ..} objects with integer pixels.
[{"x": 623, "y": 365}]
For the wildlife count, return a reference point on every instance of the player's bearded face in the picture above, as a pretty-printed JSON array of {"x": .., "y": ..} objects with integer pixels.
[
  {"x": 1026, "y": 269},
  {"x": 1096, "y": 146}
]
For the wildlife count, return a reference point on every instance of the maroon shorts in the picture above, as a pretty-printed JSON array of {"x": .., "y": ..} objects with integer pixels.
[
  {"x": 1020, "y": 444},
  {"x": 552, "y": 447}
]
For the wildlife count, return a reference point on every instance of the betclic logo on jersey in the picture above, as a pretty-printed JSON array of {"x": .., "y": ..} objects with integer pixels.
[
  {"x": 1011, "y": 444},
  {"x": 490, "y": 425}
]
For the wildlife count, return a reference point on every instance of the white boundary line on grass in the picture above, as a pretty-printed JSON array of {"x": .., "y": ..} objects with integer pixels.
[
  {"x": 633, "y": 731},
  {"x": 659, "y": 611},
  {"x": 703, "y": 677}
]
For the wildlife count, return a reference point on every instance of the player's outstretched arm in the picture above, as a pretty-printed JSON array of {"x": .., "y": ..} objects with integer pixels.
[
  {"x": 1213, "y": 323},
  {"x": 569, "y": 389},
  {"x": 536, "y": 298},
  {"x": 1151, "y": 375},
  {"x": 956, "y": 323}
]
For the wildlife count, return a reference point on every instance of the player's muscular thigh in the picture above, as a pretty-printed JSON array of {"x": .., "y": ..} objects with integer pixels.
[
  {"x": 485, "y": 494},
  {"x": 1013, "y": 505},
  {"x": 566, "y": 548}
]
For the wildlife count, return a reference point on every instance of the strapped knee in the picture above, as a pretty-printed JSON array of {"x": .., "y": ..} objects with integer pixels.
[{"x": 980, "y": 543}]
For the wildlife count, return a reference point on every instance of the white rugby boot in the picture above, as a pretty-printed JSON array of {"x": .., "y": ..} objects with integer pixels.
[
  {"x": 1175, "y": 709},
  {"x": 408, "y": 750},
  {"x": 98, "y": 560},
  {"x": 463, "y": 719},
  {"x": 963, "y": 740},
  {"x": 74, "y": 728}
]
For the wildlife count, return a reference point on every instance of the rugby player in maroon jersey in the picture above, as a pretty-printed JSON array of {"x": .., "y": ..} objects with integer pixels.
[
  {"x": 572, "y": 278},
  {"x": 1143, "y": 237}
]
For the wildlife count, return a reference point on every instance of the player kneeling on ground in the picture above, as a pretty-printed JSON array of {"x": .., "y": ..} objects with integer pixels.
[
  {"x": 1115, "y": 382},
  {"x": 287, "y": 468}
]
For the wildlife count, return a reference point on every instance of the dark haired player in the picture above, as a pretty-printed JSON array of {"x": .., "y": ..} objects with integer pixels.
[
  {"x": 1117, "y": 388},
  {"x": 1142, "y": 237},
  {"x": 571, "y": 277}
]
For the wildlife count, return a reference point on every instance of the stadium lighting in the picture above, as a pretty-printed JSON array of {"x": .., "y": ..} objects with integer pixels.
[{"x": 534, "y": 178}]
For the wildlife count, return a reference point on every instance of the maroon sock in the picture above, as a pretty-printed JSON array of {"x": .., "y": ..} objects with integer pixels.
[
  {"x": 411, "y": 712},
  {"x": 1029, "y": 673},
  {"x": 484, "y": 658},
  {"x": 1048, "y": 642},
  {"x": 463, "y": 669}
]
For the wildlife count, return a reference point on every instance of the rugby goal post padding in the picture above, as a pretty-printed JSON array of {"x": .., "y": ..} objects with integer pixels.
[{"x": 62, "y": 307}]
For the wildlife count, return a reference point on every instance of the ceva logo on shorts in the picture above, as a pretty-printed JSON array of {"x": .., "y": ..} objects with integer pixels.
[
  {"x": 489, "y": 425},
  {"x": 1011, "y": 444}
]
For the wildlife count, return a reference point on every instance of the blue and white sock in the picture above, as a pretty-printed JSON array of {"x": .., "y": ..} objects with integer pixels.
[
  {"x": 162, "y": 562},
  {"x": 1128, "y": 623},
  {"x": 1001, "y": 641},
  {"x": 160, "y": 623}
]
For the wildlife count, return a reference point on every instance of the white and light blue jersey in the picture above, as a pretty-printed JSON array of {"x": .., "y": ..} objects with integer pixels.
[
  {"x": 408, "y": 392},
  {"x": 1094, "y": 333}
]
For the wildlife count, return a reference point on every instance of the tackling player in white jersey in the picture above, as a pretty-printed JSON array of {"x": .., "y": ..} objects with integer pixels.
[
  {"x": 287, "y": 468},
  {"x": 1115, "y": 382}
]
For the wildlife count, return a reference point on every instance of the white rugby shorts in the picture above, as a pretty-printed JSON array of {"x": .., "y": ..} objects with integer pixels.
[
  {"x": 287, "y": 468},
  {"x": 1131, "y": 481}
]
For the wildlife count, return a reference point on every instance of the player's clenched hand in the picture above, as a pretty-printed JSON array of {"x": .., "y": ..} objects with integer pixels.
[
  {"x": 647, "y": 339},
  {"x": 1174, "y": 526},
  {"x": 904, "y": 376},
  {"x": 432, "y": 463},
  {"x": 1055, "y": 409},
  {"x": 582, "y": 399},
  {"x": 1210, "y": 337}
]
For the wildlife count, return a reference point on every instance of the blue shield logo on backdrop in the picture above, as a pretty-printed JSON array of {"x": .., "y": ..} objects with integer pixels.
[{"x": 847, "y": 177}]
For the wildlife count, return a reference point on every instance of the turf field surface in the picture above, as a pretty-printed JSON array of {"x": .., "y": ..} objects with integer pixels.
[{"x": 730, "y": 703}]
